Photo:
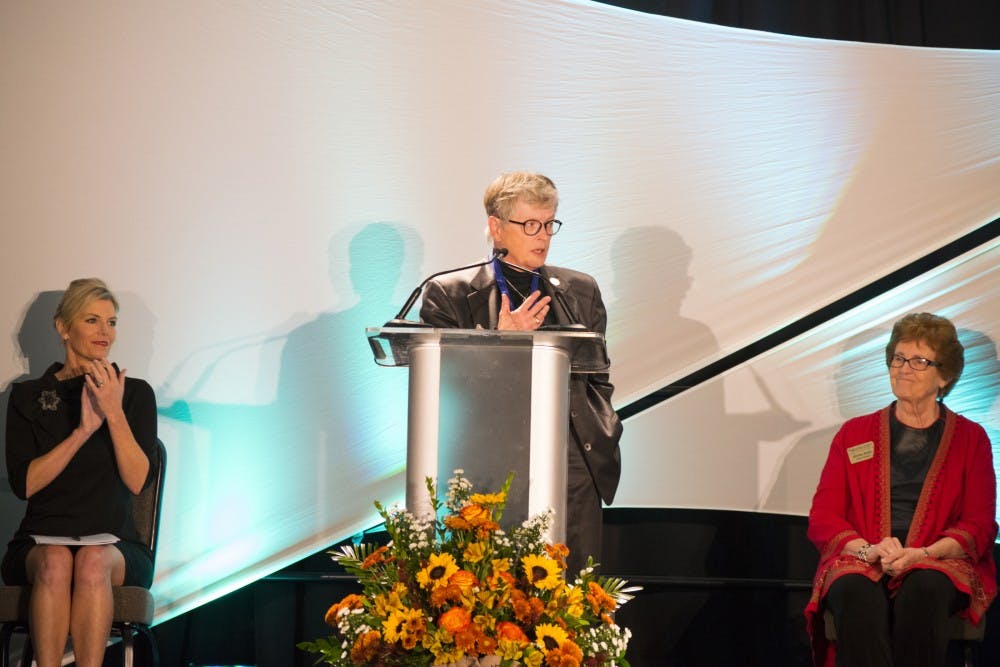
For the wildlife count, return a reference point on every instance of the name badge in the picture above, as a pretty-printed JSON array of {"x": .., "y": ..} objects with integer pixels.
[{"x": 862, "y": 452}]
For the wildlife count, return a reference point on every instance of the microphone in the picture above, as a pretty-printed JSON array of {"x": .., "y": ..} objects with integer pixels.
[
  {"x": 575, "y": 323},
  {"x": 400, "y": 319}
]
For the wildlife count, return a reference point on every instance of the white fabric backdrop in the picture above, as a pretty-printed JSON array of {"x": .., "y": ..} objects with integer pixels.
[{"x": 260, "y": 180}]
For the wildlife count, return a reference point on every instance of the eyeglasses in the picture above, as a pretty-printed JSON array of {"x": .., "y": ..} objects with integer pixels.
[
  {"x": 916, "y": 363},
  {"x": 532, "y": 227}
]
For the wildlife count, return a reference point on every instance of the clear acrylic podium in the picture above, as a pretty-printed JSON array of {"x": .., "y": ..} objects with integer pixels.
[{"x": 490, "y": 403}]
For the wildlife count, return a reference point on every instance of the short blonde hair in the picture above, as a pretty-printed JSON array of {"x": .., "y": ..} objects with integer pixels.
[
  {"x": 937, "y": 333},
  {"x": 503, "y": 193},
  {"x": 76, "y": 297}
]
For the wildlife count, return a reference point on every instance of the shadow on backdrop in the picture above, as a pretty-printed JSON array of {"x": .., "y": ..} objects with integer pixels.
[
  {"x": 693, "y": 451},
  {"x": 40, "y": 346},
  {"x": 862, "y": 387},
  {"x": 265, "y": 480}
]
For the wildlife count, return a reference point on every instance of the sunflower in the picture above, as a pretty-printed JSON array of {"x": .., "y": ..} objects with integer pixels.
[
  {"x": 403, "y": 624},
  {"x": 488, "y": 498},
  {"x": 439, "y": 569},
  {"x": 542, "y": 571},
  {"x": 549, "y": 637}
]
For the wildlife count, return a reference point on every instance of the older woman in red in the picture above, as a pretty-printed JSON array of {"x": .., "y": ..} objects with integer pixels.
[{"x": 904, "y": 516}]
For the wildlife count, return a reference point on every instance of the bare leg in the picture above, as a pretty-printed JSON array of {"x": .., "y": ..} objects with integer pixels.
[
  {"x": 96, "y": 569},
  {"x": 50, "y": 572}
]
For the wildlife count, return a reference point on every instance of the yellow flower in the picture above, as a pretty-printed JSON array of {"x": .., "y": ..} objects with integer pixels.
[
  {"x": 441, "y": 646},
  {"x": 488, "y": 498},
  {"x": 572, "y": 600},
  {"x": 439, "y": 569},
  {"x": 542, "y": 572},
  {"x": 509, "y": 649},
  {"x": 533, "y": 659},
  {"x": 549, "y": 637},
  {"x": 474, "y": 553},
  {"x": 393, "y": 600},
  {"x": 406, "y": 626}
]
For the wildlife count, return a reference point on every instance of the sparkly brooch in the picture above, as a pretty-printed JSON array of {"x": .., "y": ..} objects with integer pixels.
[{"x": 49, "y": 399}]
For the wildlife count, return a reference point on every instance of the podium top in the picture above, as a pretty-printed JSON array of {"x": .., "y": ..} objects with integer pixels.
[{"x": 586, "y": 349}]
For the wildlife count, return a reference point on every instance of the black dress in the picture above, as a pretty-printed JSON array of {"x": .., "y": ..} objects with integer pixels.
[{"x": 88, "y": 496}]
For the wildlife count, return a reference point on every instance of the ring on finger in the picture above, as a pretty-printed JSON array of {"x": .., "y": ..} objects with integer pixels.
[{"x": 535, "y": 317}]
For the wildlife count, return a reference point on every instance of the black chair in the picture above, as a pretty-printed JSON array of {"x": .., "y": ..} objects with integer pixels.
[
  {"x": 970, "y": 634},
  {"x": 133, "y": 605}
]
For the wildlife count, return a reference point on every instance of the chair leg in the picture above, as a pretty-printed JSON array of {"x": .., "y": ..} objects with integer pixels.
[
  {"x": 971, "y": 654},
  {"x": 28, "y": 652},
  {"x": 154, "y": 649},
  {"x": 128, "y": 644},
  {"x": 5, "y": 634}
]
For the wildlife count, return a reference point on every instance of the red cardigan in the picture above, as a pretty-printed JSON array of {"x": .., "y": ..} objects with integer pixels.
[{"x": 958, "y": 500}]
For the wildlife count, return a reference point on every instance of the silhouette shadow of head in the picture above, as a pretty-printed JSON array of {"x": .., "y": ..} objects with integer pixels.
[{"x": 40, "y": 346}]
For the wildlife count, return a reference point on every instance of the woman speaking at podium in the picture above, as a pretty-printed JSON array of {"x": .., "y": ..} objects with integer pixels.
[{"x": 516, "y": 293}]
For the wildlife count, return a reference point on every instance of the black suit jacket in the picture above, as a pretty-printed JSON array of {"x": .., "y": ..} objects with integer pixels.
[{"x": 469, "y": 300}]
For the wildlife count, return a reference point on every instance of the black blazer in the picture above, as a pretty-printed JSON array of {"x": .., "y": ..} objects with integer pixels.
[{"x": 470, "y": 300}]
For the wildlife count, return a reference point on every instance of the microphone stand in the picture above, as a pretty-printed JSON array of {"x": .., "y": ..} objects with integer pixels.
[{"x": 400, "y": 319}]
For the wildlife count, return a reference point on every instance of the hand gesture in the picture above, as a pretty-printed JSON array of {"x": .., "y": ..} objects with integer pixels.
[
  {"x": 528, "y": 317},
  {"x": 106, "y": 386},
  {"x": 90, "y": 416}
]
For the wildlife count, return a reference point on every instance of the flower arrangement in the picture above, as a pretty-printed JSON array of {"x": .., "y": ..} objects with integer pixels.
[{"x": 459, "y": 590}]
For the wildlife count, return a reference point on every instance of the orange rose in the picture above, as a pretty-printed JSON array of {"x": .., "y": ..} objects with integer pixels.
[
  {"x": 455, "y": 620},
  {"x": 511, "y": 631},
  {"x": 464, "y": 579},
  {"x": 476, "y": 515},
  {"x": 457, "y": 523}
]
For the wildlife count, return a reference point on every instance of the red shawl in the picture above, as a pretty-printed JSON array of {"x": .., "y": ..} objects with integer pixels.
[{"x": 958, "y": 500}]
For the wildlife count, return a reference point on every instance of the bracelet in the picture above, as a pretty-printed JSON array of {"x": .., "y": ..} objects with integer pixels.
[{"x": 862, "y": 553}]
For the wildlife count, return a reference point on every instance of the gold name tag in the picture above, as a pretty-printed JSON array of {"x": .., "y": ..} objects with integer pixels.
[{"x": 862, "y": 452}]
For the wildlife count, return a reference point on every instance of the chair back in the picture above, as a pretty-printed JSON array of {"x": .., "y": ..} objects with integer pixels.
[{"x": 146, "y": 505}]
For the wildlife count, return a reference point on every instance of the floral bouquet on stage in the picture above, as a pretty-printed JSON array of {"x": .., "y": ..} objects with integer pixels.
[{"x": 458, "y": 590}]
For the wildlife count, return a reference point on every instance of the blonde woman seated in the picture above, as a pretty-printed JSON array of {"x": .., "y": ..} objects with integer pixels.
[{"x": 80, "y": 443}]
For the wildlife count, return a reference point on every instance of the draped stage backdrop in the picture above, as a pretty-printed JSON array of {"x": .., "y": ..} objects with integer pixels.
[{"x": 260, "y": 181}]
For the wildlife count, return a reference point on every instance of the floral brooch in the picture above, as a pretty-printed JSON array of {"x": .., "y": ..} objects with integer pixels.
[{"x": 49, "y": 399}]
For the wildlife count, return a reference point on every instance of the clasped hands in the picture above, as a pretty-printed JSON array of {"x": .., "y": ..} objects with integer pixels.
[
  {"x": 103, "y": 389},
  {"x": 528, "y": 316},
  {"x": 892, "y": 556}
]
